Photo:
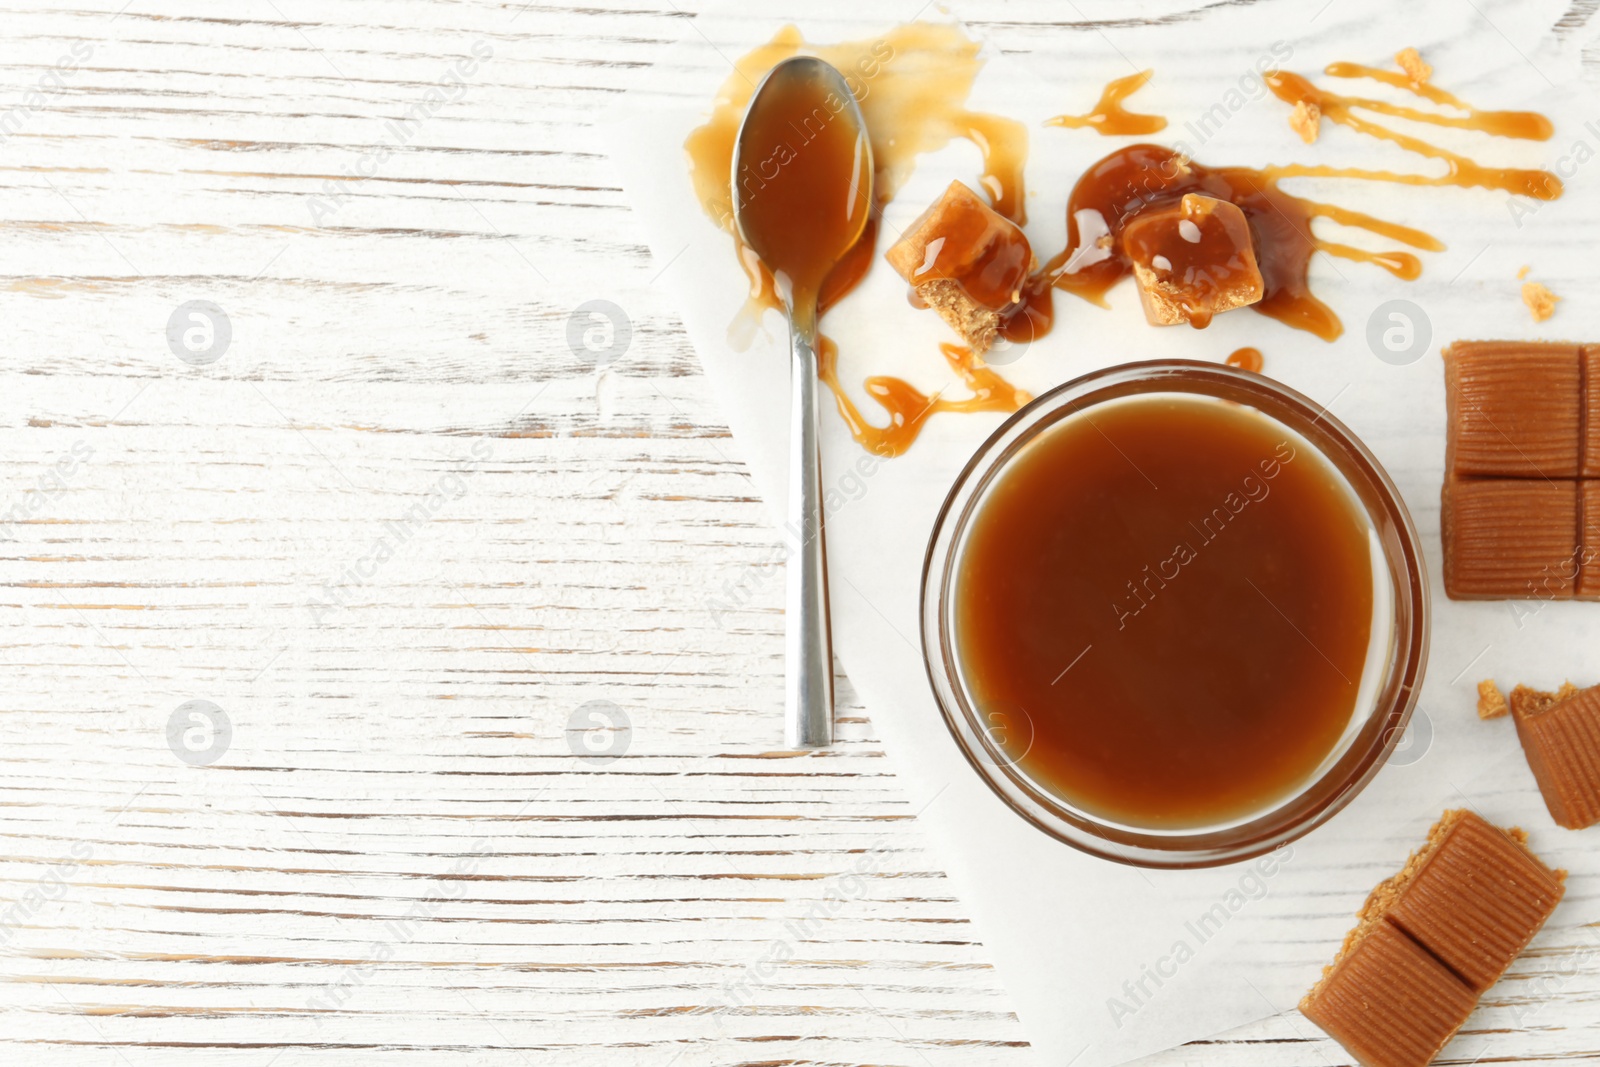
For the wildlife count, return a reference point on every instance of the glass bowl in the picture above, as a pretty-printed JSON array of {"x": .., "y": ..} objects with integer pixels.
[{"x": 1388, "y": 690}]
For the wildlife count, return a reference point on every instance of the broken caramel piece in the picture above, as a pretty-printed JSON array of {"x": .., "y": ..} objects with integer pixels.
[
  {"x": 1540, "y": 300},
  {"x": 1512, "y": 408},
  {"x": 1560, "y": 735},
  {"x": 1306, "y": 120},
  {"x": 1431, "y": 940},
  {"x": 967, "y": 262},
  {"x": 1508, "y": 538},
  {"x": 1411, "y": 61},
  {"x": 1491, "y": 702},
  {"x": 1192, "y": 259},
  {"x": 1387, "y": 1001}
]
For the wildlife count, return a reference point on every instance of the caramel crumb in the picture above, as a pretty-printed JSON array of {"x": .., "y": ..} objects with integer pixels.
[
  {"x": 1523, "y": 273},
  {"x": 1411, "y": 62},
  {"x": 1491, "y": 702},
  {"x": 1105, "y": 240},
  {"x": 1540, "y": 301},
  {"x": 1306, "y": 120}
]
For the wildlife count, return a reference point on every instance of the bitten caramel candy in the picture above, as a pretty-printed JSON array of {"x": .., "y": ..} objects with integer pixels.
[
  {"x": 1192, "y": 260},
  {"x": 1513, "y": 409},
  {"x": 1509, "y": 537},
  {"x": 1560, "y": 735},
  {"x": 1431, "y": 940},
  {"x": 966, "y": 261},
  {"x": 1387, "y": 1001}
]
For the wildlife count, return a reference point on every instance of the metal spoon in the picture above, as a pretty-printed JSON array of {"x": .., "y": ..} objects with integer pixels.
[{"x": 802, "y": 189}]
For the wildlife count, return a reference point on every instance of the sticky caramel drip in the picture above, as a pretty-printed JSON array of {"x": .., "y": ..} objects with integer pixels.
[
  {"x": 912, "y": 83},
  {"x": 907, "y": 406},
  {"x": 1460, "y": 171},
  {"x": 1108, "y": 117}
]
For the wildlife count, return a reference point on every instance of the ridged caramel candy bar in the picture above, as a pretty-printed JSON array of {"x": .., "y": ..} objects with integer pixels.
[
  {"x": 1474, "y": 896},
  {"x": 1560, "y": 735},
  {"x": 1509, "y": 538},
  {"x": 1387, "y": 1001},
  {"x": 1513, "y": 409},
  {"x": 1431, "y": 940}
]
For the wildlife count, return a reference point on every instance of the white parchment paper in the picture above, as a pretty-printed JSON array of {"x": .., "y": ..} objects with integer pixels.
[{"x": 1104, "y": 962}]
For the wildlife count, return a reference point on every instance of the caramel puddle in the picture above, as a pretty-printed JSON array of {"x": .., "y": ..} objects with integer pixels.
[
  {"x": 1116, "y": 189},
  {"x": 1108, "y": 117}
]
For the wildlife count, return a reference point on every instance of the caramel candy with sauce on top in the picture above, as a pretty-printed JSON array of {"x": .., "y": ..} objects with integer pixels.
[
  {"x": 967, "y": 262},
  {"x": 1431, "y": 940},
  {"x": 1560, "y": 735},
  {"x": 1509, "y": 537},
  {"x": 1192, "y": 260}
]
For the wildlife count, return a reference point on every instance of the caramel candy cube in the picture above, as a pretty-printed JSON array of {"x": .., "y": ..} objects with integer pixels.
[
  {"x": 967, "y": 262},
  {"x": 1387, "y": 1001},
  {"x": 1508, "y": 537},
  {"x": 1474, "y": 897},
  {"x": 1560, "y": 735},
  {"x": 1431, "y": 940},
  {"x": 1192, "y": 260},
  {"x": 1513, "y": 409}
]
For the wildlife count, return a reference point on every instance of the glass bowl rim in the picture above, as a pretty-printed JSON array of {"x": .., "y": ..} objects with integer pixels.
[{"x": 1324, "y": 796}]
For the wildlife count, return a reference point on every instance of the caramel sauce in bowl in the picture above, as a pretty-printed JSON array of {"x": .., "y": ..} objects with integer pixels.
[{"x": 1175, "y": 614}]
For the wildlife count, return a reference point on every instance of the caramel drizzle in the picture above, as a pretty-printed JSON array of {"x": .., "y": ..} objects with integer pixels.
[
  {"x": 1108, "y": 117},
  {"x": 1460, "y": 171},
  {"x": 907, "y": 406}
]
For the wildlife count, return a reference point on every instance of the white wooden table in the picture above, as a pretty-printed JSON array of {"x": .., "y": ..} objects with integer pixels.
[{"x": 496, "y": 631}]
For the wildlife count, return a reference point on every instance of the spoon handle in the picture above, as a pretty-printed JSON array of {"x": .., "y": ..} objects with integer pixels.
[{"x": 808, "y": 645}]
